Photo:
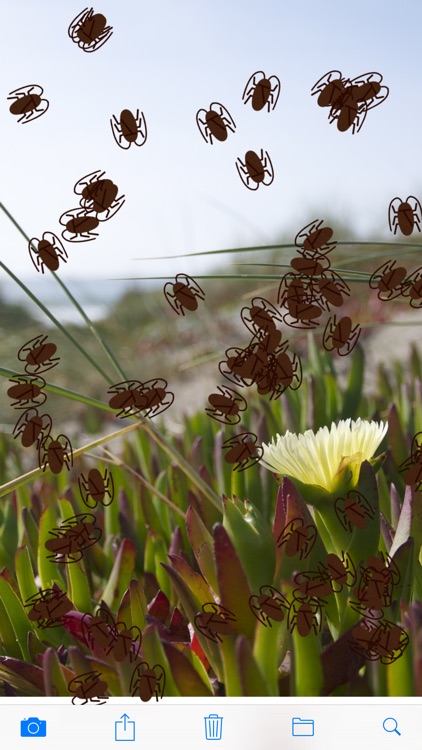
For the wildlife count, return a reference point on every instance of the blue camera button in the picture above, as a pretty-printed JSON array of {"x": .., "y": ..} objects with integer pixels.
[{"x": 33, "y": 727}]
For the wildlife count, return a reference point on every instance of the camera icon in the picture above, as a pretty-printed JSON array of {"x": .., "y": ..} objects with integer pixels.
[{"x": 33, "y": 727}]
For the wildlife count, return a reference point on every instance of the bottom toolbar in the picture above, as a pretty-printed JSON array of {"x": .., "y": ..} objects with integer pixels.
[{"x": 197, "y": 726}]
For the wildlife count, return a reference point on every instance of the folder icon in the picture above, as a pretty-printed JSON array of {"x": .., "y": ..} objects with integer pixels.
[{"x": 302, "y": 727}]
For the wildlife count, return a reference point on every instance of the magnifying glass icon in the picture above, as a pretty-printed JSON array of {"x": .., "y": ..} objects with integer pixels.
[{"x": 390, "y": 725}]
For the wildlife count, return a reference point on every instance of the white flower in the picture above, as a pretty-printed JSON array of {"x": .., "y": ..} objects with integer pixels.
[{"x": 315, "y": 458}]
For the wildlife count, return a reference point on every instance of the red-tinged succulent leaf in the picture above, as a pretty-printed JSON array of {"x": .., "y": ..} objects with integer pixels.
[
  {"x": 339, "y": 663},
  {"x": 35, "y": 646},
  {"x": 72, "y": 623},
  {"x": 176, "y": 544},
  {"x": 251, "y": 679},
  {"x": 47, "y": 569},
  {"x": 8, "y": 635},
  {"x": 27, "y": 678},
  {"x": 292, "y": 506},
  {"x": 159, "y": 607},
  {"x": 56, "y": 676},
  {"x": 16, "y": 613},
  {"x": 178, "y": 627},
  {"x": 193, "y": 580},
  {"x": 201, "y": 542},
  {"x": 233, "y": 585},
  {"x": 167, "y": 634},
  {"x": 198, "y": 504},
  {"x": 192, "y": 598},
  {"x": 151, "y": 585},
  {"x": 156, "y": 553},
  {"x": 199, "y": 651},
  {"x": 154, "y": 653},
  {"x": 138, "y": 605},
  {"x": 184, "y": 674},
  {"x": 81, "y": 664},
  {"x": 7, "y": 576},
  {"x": 121, "y": 575},
  {"x": 24, "y": 574},
  {"x": 404, "y": 559},
  {"x": 252, "y": 539},
  {"x": 123, "y": 613}
]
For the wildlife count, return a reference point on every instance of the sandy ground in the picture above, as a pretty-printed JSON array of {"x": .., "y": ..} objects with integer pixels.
[{"x": 383, "y": 345}]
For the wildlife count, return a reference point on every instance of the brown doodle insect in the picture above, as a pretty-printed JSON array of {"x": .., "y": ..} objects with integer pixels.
[
  {"x": 330, "y": 289},
  {"x": 378, "y": 640},
  {"x": 183, "y": 293},
  {"x": 307, "y": 268},
  {"x": 324, "y": 287},
  {"x": 413, "y": 288},
  {"x": 362, "y": 94},
  {"x": 329, "y": 578},
  {"x": 376, "y": 583},
  {"x": 216, "y": 123},
  {"x": 129, "y": 129},
  {"x": 269, "y": 605},
  {"x": 349, "y": 100},
  {"x": 132, "y": 396},
  {"x": 305, "y": 614},
  {"x": 315, "y": 583},
  {"x": 49, "y": 252},
  {"x": 295, "y": 297},
  {"x": 226, "y": 405},
  {"x": 126, "y": 396},
  {"x": 89, "y": 31},
  {"x": 113, "y": 638},
  {"x": 389, "y": 280},
  {"x": 28, "y": 103},
  {"x": 55, "y": 453},
  {"x": 88, "y": 687},
  {"x": 330, "y": 88},
  {"x": 340, "y": 335},
  {"x": 95, "y": 488},
  {"x": 255, "y": 170},
  {"x": 48, "y": 606},
  {"x": 27, "y": 391},
  {"x": 38, "y": 355},
  {"x": 297, "y": 538},
  {"x": 264, "y": 362},
  {"x": 313, "y": 242},
  {"x": 281, "y": 373},
  {"x": 214, "y": 621},
  {"x": 354, "y": 511},
  {"x": 148, "y": 681},
  {"x": 262, "y": 91},
  {"x": 99, "y": 195},
  {"x": 243, "y": 367},
  {"x": 32, "y": 428},
  {"x": 413, "y": 465},
  {"x": 74, "y": 536},
  {"x": 260, "y": 319},
  {"x": 79, "y": 223},
  {"x": 401, "y": 215},
  {"x": 243, "y": 451}
]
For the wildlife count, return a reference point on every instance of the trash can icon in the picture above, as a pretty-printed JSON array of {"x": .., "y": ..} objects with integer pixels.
[{"x": 213, "y": 727}]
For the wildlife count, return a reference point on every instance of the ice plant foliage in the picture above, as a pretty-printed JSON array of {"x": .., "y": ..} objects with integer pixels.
[{"x": 316, "y": 458}]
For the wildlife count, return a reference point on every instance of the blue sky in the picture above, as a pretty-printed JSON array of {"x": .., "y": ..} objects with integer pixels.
[{"x": 182, "y": 195}]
